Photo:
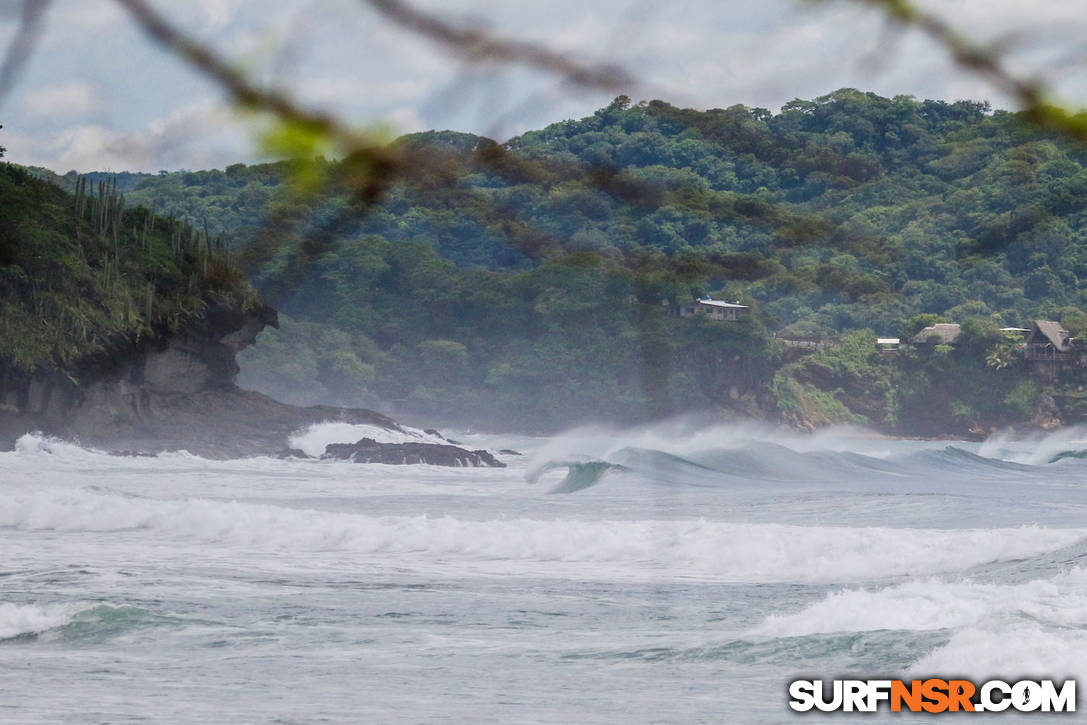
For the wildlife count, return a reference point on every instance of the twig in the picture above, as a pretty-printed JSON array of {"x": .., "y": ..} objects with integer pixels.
[
  {"x": 480, "y": 45},
  {"x": 276, "y": 102},
  {"x": 23, "y": 44},
  {"x": 1031, "y": 93}
]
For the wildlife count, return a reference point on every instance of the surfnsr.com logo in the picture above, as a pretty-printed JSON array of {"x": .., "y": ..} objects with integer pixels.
[{"x": 932, "y": 695}]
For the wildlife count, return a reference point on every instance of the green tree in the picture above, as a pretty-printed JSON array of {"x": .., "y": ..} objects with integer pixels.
[{"x": 1005, "y": 352}]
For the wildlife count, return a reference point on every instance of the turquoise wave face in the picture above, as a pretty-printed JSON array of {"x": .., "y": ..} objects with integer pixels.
[{"x": 759, "y": 461}]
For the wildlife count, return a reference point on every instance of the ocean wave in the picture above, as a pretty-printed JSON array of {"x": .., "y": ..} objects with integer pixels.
[
  {"x": 36, "y": 452},
  {"x": 20, "y": 620},
  {"x": 766, "y": 461},
  {"x": 682, "y": 452},
  {"x": 932, "y": 604},
  {"x": 953, "y": 458},
  {"x": 1064, "y": 444},
  {"x": 731, "y": 551},
  {"x": 75, "y": 620},
  {"x": 38, "y": 444},
  {"x": 313, "y": 439},
  {"x": 771, "y": 462},
  {"x": 579, "y": 474},
  {"x": 683, "y": 436},
  {"x": 869, "y": 651},
  {"x": 1017, "y": 651},
  {"x": 40, "y": 448}
]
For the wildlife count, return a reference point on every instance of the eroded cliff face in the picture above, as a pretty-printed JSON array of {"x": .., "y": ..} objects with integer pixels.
[{"x": 177, "y": 392}]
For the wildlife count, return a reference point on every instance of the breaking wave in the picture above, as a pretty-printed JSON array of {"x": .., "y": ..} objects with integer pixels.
[
  {"x": 730, "y": 551},
  {"x": 74, "y": 620},
  {"x": 579, "y": 474},
  {"x": 931, "y": 604},
  {"x": 20, "y": 620},
  {"x": 37, "y": 444},
  {"x": 747, "y": 453},
  {"x": 1037, "y": 450},
  {"x": 1020, "y": 649},
  {"x": 313, "y": 439},
  {"x": 769, "y": 462}
]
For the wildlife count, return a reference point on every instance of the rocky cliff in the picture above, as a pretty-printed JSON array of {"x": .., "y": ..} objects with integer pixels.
[{"x": 175, "y": 392}]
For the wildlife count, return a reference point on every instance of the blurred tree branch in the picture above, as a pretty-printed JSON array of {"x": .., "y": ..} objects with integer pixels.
[
  {"x": 22, "y": 45},
  {"x": 480, "y": 45},
  {"x": 374, "y": 164},
  {"x": 296, "y": 119}
]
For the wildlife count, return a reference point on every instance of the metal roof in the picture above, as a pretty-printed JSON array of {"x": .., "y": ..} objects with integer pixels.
[{"x": 719, "y": 303}]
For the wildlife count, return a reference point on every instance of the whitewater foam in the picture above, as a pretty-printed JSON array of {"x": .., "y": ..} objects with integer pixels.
[
  {"x": 18, "y": 620},
  {"x": 684, "y": 436},
  {"x": 931, "y": 604},
  {"x": 1011, "y": 651},
  {"x": 1035, "y": 450},
  {"x": 733, "y": 551},
  {"x": 313, "y": 439},
  {"x": 37, "y": 445}
]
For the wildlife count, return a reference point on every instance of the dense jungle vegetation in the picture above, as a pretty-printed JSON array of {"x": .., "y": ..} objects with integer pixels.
[
  {"x": 81, "y": 276},
  {"x": 530, "y": 283}
]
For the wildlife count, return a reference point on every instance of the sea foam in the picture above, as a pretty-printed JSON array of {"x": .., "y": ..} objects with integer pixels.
[
  {"x": 22, "y": 619},
  {"x": 313, "y": 439},
  {"x": 731, "y": 551},
  {"x": 931, "y": 604}
]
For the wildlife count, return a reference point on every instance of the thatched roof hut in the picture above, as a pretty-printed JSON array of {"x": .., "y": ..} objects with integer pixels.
[
  {"x": 1048, "y": 340},
  {"x": 942, "y": 333}
]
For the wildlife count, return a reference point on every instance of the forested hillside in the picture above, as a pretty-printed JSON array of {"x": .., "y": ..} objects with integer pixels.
[
  {"x": 532, "y": 280},
  {"x": 82, "y": 276}
]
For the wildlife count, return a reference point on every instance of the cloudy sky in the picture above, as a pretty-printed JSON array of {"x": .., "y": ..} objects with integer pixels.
[{"x": 97, "y": 95}]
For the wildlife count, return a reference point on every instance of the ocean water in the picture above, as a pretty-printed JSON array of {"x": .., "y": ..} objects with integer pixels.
[{"x": 660, "y": 575}]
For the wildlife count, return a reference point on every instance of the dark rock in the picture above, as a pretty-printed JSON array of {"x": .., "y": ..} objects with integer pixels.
[
  {"x": 368, "y": 450},
  {"x": 292, "y": 453},
  {"x": 510, "y": 452},
  {"x": 436, "y": 434}
]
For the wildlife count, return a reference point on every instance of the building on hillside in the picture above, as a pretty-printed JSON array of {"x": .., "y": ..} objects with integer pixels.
[
  {"x": 888, "y": 345},
  {"x": 714, "y": 309},
  {"x": 942, "y": 333},
  {"x": 807, "y": 342},
  {"x": 1048, "y": 341}
]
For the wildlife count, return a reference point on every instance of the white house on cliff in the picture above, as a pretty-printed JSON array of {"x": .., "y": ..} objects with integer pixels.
[{"x": 714, "y": 309}]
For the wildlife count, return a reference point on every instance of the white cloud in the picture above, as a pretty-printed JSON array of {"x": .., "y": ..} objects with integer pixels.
[
  {"x": 191, "y": 136},
  {"x": 66, "y": 99},
  {"x": 93, "y": 146}
]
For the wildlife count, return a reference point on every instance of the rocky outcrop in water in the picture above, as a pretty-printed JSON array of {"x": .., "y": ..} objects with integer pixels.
[{"x": 369, "y": 450}]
